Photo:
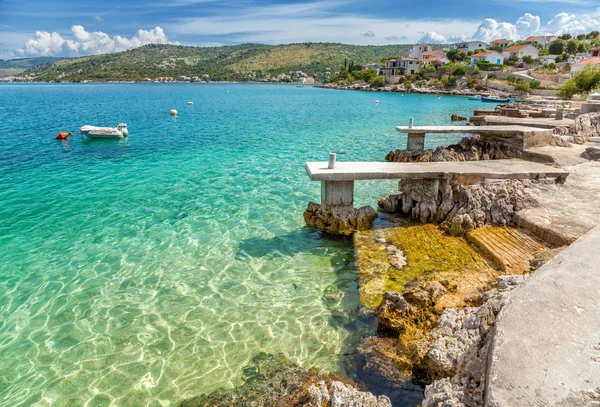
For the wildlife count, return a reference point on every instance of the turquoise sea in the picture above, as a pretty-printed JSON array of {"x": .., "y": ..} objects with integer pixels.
[{"x": 143, "y": 271}]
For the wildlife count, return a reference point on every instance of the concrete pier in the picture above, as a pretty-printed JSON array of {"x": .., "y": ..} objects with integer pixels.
[
  {"x": 524, "y": 136},
  {"x": 546, "y": 346}
]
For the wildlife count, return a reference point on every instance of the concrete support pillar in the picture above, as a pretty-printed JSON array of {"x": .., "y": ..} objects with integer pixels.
[
  {"x": 416, "y": 141},
  {"x": 337, "y": 193}
]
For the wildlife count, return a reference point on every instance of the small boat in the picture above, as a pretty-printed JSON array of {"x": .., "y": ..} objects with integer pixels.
[
  {"x": 493, "y": 99},
  {"x": 476, "y": 97},
  {"x": 94, "y": 132}
]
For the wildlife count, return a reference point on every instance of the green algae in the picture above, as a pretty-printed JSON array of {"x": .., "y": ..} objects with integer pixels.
[{"x": 429, "y": 253}]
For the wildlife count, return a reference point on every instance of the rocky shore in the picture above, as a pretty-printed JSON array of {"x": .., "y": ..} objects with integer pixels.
[{"x": 364, "y": 86}]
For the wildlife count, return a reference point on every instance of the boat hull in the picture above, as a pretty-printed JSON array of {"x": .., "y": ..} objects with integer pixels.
[{"x": 494, "y": 100}]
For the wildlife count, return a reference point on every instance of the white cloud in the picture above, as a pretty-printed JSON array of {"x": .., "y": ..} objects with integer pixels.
[
  {"x": 98, "y": 19},
  {"x": 396, "y": 38},
  {"x": 83, "y": 42},
  {"x": 431, "y": 37},
  {"x": 529, "y": 24},
  {"x": 368, "y": 34}
]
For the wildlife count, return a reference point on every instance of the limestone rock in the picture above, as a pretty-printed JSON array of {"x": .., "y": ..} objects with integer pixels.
[
  {"x": 468, "y": 149},
  {"x": 458, "y": 356},
  {"x": 591, "y": 153},
  {"x": 588, "y": 125},
  {"x": 339, "y": 219},
  {"x": 455, "y": 117},
  {"x": 459, "y": 208},
  {"x": 391, "y": 312},
  {"x": 342, "y": 395}
]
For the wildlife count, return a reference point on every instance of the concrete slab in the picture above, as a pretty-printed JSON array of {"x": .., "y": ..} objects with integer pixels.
[
  {"x": 539, "y": 122},
  {"x": 546, "y": 345},
  {"x": 565, "y": 212},
  {"x": 483, "y": 130},
  {"x": 490, "y": 169}
]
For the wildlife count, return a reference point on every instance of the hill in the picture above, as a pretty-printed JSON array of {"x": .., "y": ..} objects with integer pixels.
[
  {"x": 19, "y": 65},
  {"x": 234, "y": 62}
]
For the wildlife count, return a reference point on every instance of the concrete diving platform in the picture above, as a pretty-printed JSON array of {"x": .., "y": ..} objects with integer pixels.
[
  {"x": 524, "y": 136},
  {"x": 541, "y": 123},
  {"x": 337, "y": 184}
]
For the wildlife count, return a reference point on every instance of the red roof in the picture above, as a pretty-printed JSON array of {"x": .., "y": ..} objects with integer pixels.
[
  {"x": 589, "y": 61},
  {"x": 516, "y": 47},
  {"x": 482, "y": 54},
  {"x": 500, "y": 41}
]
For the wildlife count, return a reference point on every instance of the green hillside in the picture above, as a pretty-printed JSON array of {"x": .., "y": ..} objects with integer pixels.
[
  {"x": 221, "y": 63},
  {"x": 19, "y": 65}
]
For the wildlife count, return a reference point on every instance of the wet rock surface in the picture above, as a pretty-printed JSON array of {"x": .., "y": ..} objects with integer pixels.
[
  {"x": 591, "y": 153},
  {"x": 274, "y": 381},
  {"x": 459, "y": 208},
  {"x": 342, "y": 220}
]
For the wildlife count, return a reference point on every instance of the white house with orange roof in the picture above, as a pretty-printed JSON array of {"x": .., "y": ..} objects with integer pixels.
[
  {"x": 470, "y": 46},
  {"x": 415, "y": 50},
  {"x": 521, "y": 51},
  {"x": 543, "y": 40},
  {"x": 579, "y": 66},
  {"x": 500, "y": 42},
  {"x": 429, "y": 57},
  {"x": 492, "y": 57}
]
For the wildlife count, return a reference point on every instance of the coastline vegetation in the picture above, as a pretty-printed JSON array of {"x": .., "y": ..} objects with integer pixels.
[{"x": 582, "y": 83}]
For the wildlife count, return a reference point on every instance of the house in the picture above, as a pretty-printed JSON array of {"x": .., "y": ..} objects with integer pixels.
[
  {"x": 500, "y": 43},
  {"x": 307, "y": 80},
  {"x": 470, "y": 46},
  {"x": 401, "y": 66},
  {"x": 595, "y": 51},
  {"x": 521, "y": 51},
  {"x": 492, "y": 57},
  {"x": 579, "y": 66},
  {"x": 414, "y": 50},
  {"x": 543, "y": 40}
]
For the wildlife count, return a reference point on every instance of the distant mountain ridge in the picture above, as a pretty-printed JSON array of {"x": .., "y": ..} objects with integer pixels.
[{"x": 235, "y": 62}]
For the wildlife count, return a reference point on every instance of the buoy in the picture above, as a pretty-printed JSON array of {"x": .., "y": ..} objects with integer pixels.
[
  {"x": 62, "y": 135},
  {"x": 190, "y": 103},
  {"x": 173, "y": 112},
  {"x": 377, "y": 102}
]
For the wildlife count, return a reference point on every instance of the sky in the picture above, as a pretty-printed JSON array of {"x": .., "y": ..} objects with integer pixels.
[{"x": 84, "y": 27}]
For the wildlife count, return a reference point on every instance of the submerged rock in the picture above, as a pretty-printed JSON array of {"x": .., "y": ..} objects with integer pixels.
[
  {"x": 380, "y": 363},
  {"x": 342, "y": 220},
  {"x": 456, "y": 117},
  {"x": 392, "y": 311},
  {"x": 343, "y": 395},
  {"x": 274, "y": 381}
]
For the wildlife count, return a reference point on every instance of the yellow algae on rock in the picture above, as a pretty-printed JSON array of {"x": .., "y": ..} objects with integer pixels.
[
  {"x": 509, "y": 248},
  {"x": 429, "y": 253}
]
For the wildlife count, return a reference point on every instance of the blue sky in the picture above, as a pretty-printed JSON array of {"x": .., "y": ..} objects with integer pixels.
[{"x": 208, "y": 22}]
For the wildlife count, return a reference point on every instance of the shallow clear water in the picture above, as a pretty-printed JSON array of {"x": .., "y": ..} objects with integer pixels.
[{"x": 142, "y": 271}]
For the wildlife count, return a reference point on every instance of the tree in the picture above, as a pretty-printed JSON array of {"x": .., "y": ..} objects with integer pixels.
[
  {"x": 377, "y": 82},
  {"x": 456, "y": 55},
  {"x": 581, "y": 83},
  {"x": 572, "y": 46},
  {"x": 557, "y": 47},
  {"x": 565, "y": 37}
]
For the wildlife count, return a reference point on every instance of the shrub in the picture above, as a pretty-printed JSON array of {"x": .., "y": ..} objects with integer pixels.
[
  {"x": 535, "y": 84},
  {"x": 459, "y": 70},
  {"x": 522, "y": 86},
  {"x": 452, "y": 80},
  {"x": 377, "y": 82},
  {"x": 528, "y": 59},
  {"x": 491, "y": 76}
]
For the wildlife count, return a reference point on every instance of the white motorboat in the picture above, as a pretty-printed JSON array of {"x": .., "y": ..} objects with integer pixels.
[{"x": 95, "y": 132}]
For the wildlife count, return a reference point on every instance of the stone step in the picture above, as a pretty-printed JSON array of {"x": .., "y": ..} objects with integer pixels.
[{"x": 509, "y": 248}]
